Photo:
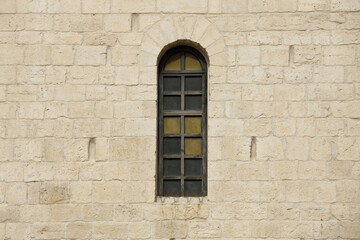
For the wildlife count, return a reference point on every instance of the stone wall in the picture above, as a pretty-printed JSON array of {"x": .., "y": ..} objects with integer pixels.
[{"x": 78, "y": 90}]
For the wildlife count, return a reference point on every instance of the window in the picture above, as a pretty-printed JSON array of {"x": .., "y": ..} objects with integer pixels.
[{"x": 182, "y": 124}]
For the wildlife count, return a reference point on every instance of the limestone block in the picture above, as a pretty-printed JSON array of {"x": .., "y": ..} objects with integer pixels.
[
  {"x": 78, "y": 23},
  {"x": 307, "y": 54},
  {"x": 282, "y": 22},
  {"x": 345, "y": 37},
  {"x": 52, "y": 192},
  {"x": 217, "y": 109},
  {"x": 38, "y": 171},
  {"x": 312, "y": 170},
  {"x": 140, "y": 127},
  {"x": 158, "y": 212},
  {"x": 100, "y": 38},
  {"x": 257, "y": 127},
  {"x": 77, "y": 149},
  {"x": 228, "y": 6},
  {"x": 144, "y": 171},
  {"x": 346, "y": 109},
  {"x": 29, "y": 37},
  {"x": 283, "y": 127},
  {"x": 236, "y": 228},
  {"x": 90, "y": 55},
  {"x": 135, "y": 109},
  {"x": 297, "y": 148},
  {"x": 315, "y": 212},
  {"x": 286, "y": 92},
  {"x": 34, "y": 213},
  {"x": 107, "y": 192},
  {"x": 98, "y": 212},
  {"x": 239, "y": 75},
  {"x": 11, "y": 54},
  {"x": 37, "y": 55},
  {"x": 197, "y": 6},
  {"x": 253, "y": 171},
  {"x": 272, "y": 191},
  {"x": 209, "y": 229},
  {"x": 66, "y": 212},
  {"x": 48, "y": 230},
  {"x": 8, "y": 74},
  {"x": 110, "y": 230},
  {"x": 269, "y": 148},
  {"x": 319, "y": 109},
  {"x": 9, "y": 213},
  {"x": 104, "y": 110},
  {"x": 63, "y": 128},
  {"x": 80, "y": 192},
  {"x": 81, "y": 110},
  {"x": 348, "y": 149},
  {"x": 281, "y": 211},
  {"x": 348, "y": 5},
  {"x": 79, "y": 230},
  {"x": 62, "y": 38},
  {"x": 16, "y": 193},
  {"x": 174, "y": 229},
  {"x": 36, "y": 6},
  {"x": 226, "y": 127},
  {"x": 96, "y": 93},
  {"x": 347, "y": 191},
  {"x": 64, "y": 6},
  {"x": 352, "y": 21},
  {"x": 268, "y": 75},
  {"x": 118, "y": 53},
  {"x": 129, "y": 212},
  {"x": 329, "y": 127},
  {"x": 272, "y": 6},
  {"x": 222, "y": 170},
  {"x": 139, "y": 230},
  {"x": 117, "y": 23},
  {"x": 96, "y": 6},
  {"x": 248, "y": 55},
  {"x": 117, "y": 171},
  {"x": 62, "y": 55},
  {"x": 32, "y": 110},
  {"x": 353, "y": 127},
  {"x": 339, "y": 55},
  {"x": 240, "y": 23},
  {"x": 6, "y": 149},
  {"x": 284, "y": 170},
  {"x": 321, "y": 37},
  {"x": 313, "y": 5},
  {"x": 330, "y": 91},
  {"x": 133, "y": 6},
  {"x": 241, "y": 191},
  {"x": 276, "y": 56},
  {"x": 236, "y": 148},
  {"x": 87, "y": 128},
  {"x": 258, "y": 92},
  {"x": 38, "y": 22},
  {"x": 299, "y": 191},
  {"x": 139, "y": 192},
  {"x": 127, "y": 75},
  {"x": 12, "y": 22},
  {"x": 18, "y": 231},
  {"x": 236, "y": 109},
  {"x": 28, "y": 149},
  {"x": 221, "y": 92}
]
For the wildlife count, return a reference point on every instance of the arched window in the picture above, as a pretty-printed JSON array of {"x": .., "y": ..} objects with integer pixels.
[{"x": 182, "y": 123}]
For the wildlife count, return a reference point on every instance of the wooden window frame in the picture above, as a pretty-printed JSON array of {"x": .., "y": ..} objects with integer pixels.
[{"x": 182, "y": 113}]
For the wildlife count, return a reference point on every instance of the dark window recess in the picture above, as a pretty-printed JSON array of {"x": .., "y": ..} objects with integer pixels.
[{"x": 182, "y": 124}]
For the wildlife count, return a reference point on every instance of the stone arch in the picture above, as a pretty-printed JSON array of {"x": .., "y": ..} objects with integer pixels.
[{"x": 195, "y": 31}]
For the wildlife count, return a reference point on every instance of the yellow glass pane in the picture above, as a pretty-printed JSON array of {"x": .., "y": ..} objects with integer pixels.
[
  {"x": 191, "y": 62},
  {"x": 171, "y": 125},
  {"x": 192, "y": 124},
  {"x": 173, "y": 63},
  {"x": 193, "y": 146}
]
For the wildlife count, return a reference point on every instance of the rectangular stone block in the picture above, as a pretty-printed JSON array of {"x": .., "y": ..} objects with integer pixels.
[
  {"x": 38, "y": 22},
  {"x": 346, "y": 5},
  {"x": 170, "y": 228},
  {"x": 90, "y": 55},
  {"x": 118, "y": 54},
  {"x": 197, "y": 6},
  {"x": 108, "y": 192},
  {"x": 62, "y": 55},
  {"x": 11, "y": 54},
  {"x": 78, "y": 23},
  {"x": 79, "y": 230},
  {"x": 48, "y": 230},
  {"x": 248, "y": 55},
  {"x": 37, "y": 55},
  {"x": 64, "y": 6},
  {"x": 110, "y": 230},
  {"x": 313, "y": 5},
  {"x": 272, "y": 6},
  {"x": 284, "y": 170},
  {"x": 241, "y": 191},
  {"x": 95, "y": 6},
  {"x": 275, "y": 56},
  {"x": 282, "y": 22},
  {"x": 53, "y": 192},
  {"x": 133, "y": 6},
  {"x": 12, "y": 22},
  {"x": 339, "y": 55}
]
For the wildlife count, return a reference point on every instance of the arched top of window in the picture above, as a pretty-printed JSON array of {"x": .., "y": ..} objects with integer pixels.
[{"x": 182, "y": 58}]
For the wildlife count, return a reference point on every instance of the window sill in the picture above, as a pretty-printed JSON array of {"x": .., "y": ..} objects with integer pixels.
[{"x": 181, "y": 200}]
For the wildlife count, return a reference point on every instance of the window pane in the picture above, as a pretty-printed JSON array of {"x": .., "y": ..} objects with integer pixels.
[
  {"x": 172, "y": 103},
  {"x": 172, "y": 84},
  {"x": 171, "y": 125},
  {"x": 193, "y": 146},
  {"x": 171, "y": 146},
  {"x": 193, "y": 167},
  {"x": 191, "y": 62},
  {"x": 172, "y": 188},
  {"x": 192, "y": 102},
  {"x": 192, "y": 188},
  {"x": 192, "y": 124},
  {"x": 193, "y": 84},
  {"x": 173, "y": 63},
  {"x": 172, "y": 167}
]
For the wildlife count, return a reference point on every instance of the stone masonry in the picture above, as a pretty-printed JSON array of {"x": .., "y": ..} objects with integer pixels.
[{"x": 78, "y": 117}]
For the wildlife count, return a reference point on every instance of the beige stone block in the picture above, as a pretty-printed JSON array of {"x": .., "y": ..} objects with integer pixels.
[
  {"x": 284, "y": 170},
  {"x": 8, "y": 74},
  {"x": 80, "y": 192},
  {"x": 34, "y": 213},
  {"x": 312, "y": 170},
  {"x": 7, "y": 37},
  {"x": 158, "y": 212},
  {"x": 248, "y": 55},
  {"x": 253, "y": 171},
  {"x": 66, "y": 212},
  {"x": 129, "y": 212},
  {"x": 282, "y": 22},
  {"x": 269, "y": 148},
  {"x": 348, "y": 149},
  {"x": 11, "y": 54},
  {"x": 239, "y": 75},
  {"x": 82, "y": 75},
  {"x": 143, "y": 171},
  {"x": 209, "y": 229},
  {"x": 349, "y": 229},
  {"x": 321, "y": 37},
  {"x": 241, "y": 191},
  {"x": 299, "y": 191},
  {"x": 272, "y": 191},
  {"x": 110, "y": 230},
  {"x": 222, "y": 170},
  {"x": 81, "y": 110},
  {"x": 345, "y": 37},
  {"x": 281, "y": 211},
  {"x": 106, "y": 75},
  {"x": 6, "y": 150},
  {"x": 28, "y": 150},
  {"x": 63, "y": 55},
  {"x": 319, "y": 109},
  {"x": 324, "y": 192},
  {"x": 329, "y": 127},
  {"x": 87, "y": 128},
  {"x": 307, "y": 54},
  {"x": 305, "y": 127},
  {"x": 297, "y": 148},
  {"x": 38, "y": 171},
  {"x": 108, "y": 192},
  {"x": 215, "y": 191},
  {"x": 12, "y": 22},
  {"x": 28, "y": 37},
  {"x": 76, "y": 150},
  {"x": 353, "y": 127},
  {"x": 340, "y": 169},
  {"x": 16, "y": 193},
  {"x": 142, "y": 92},
  {"x": 313, "y": 5},
  {"x": 235, "y": 148},
  {"x": 63, "y": 127},
  {"x": 265, "y": 38},
  {"x": 240, "y": 23},
  {"x": 315, "y": 212},
  {"x": 9, "y": 213},
  {"x": 16, "y": 128},
  {"x": 214, "y": 6},
  {"x": 347, "y": 191},
  {"x": 118, "y": 53},
  {"x": 37, "y": 55},
  {"x": 139, "y": 192},
  {"x": 339, "y": 55},
  {"x": 48, "y": 230},
  {"x": 127, "y": 75},
  {"x": 31, "y": 110},
  {"x": 64, "y": 6},
  {"x": 346, "y": 109},
  {"x": 98, "y": 212},
  {"x": 258, "y": 92},
  {"x": 135, "y": 109},
  {"x": 226, "y": 127},
  {"x": 348, "y": 5},
  {"x": 197, "y": 6},
  {"x": 139, "y": 230},
  {"x": 123, "y": 149},
  {"x": 268, "y": 75},
  {"x": 90, "y": 55},
  {"x": 222, "y": 92},
  {"x": 117, "y": 171},
  {"x": 173, "y": 229},
  {"x": 36, "y": 6},
  {"x": 257, "y": 127},
  {"x": 236, "y": 228},
  {"x": 283, "y": 127},
  {"x": 91, "y": 171},
  {"x": 18, "y": 231},
  {"x": 225, "y": 211},
  {"x": 96, "y": 93},
  {"x": 62, "y": 38},
  {"x": 52, "y": 192},
  {"x": 117, "y": 23},
  {"x": 99, "y": 38},
  {"x": 140, "y": 127},
  {"x": 133, "y": 6},
  {"x": 78, "y": 23},
  {"x": 95, "y": 6},
  {"x": 217, "y": 110},
  {"x": 268, "y": 108},
  {"x": 31, "y": 74},
  {"x": 79, "y": 230},
  {"x": 286, "y": 92},
  {"x": 38, "y": 22},
  {"x": 116, "y": 93},
  {"x": 191, "y": 211},
  {"x": 272, "y": 6},
  {"x": 8, "y": 6}
]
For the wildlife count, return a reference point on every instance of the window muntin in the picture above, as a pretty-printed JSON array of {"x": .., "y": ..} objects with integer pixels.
[{"x": 182, "y": 121}]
